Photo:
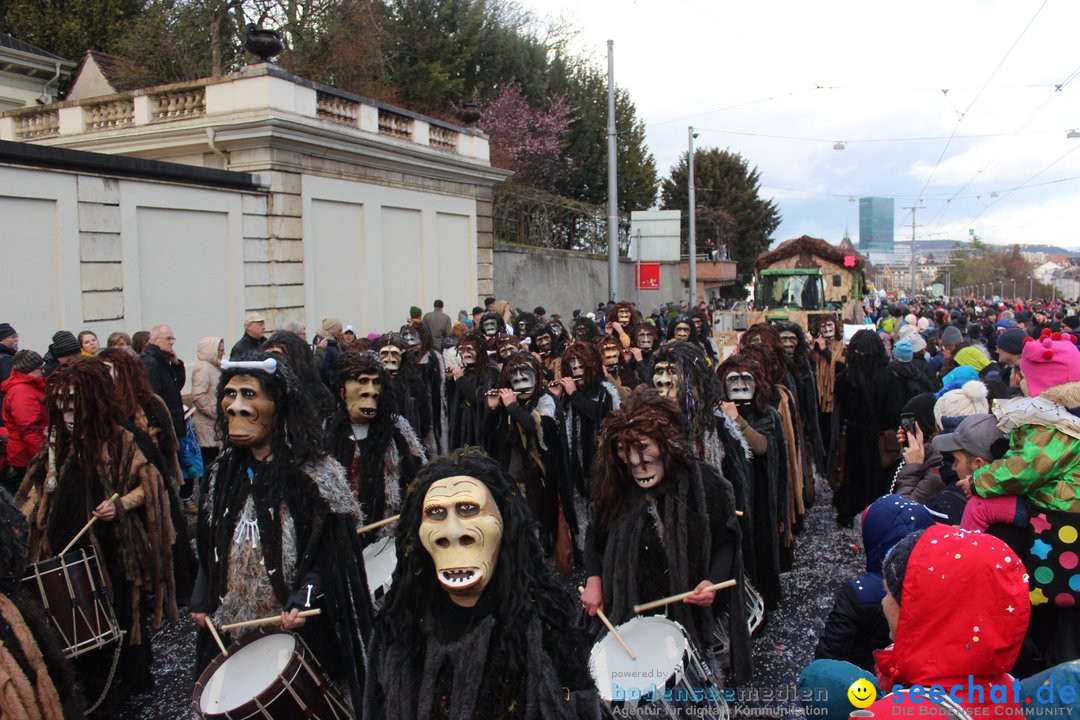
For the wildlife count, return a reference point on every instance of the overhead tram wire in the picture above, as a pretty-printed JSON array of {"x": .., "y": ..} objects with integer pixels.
[
  {"x": 979, "y": 94},
  {"x": 1056, "y": 88},
  {"x": 1027, "y": 183}
]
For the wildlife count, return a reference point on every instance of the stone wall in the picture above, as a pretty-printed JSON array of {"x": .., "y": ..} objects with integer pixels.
[{"x": 561, "y": 280}]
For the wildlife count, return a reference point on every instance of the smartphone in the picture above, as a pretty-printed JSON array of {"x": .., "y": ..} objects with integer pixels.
[{"x": 907, "y": 424}]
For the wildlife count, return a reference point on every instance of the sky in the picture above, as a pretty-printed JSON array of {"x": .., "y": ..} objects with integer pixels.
[{"x": 950, "y": 105}]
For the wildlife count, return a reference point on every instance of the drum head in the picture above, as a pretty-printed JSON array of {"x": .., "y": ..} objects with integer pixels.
[
  {"x": 380, "y": 559},
  {"x": 247, "y": 672},
  {"x": 659, "y": 644}
]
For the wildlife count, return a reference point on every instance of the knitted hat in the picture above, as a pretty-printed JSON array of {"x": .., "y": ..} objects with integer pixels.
[
  {"x": 918, "y": 344},
  {"x": 923, "y": 323},
  {"x": 972, "y": 358},
  {"x": 64, "y": 344},
  {"x": 1072, "y": 322},
  {"x": 1012, "y": 340},
  {"x": 415, "y": 312},
  {"x": 951, "y": 336},
  {"x": 902, "y": 351},
  {"x": 1005, "y": 324},
  {"x": 957, "y": 377},
  {"x": 26, "y": 361},
  {"x": 331, "y": 325},
  {"x": 1051, "y": 360},
  {"x": 6, "y": 331},
  {"x": 968, "y": 400}
]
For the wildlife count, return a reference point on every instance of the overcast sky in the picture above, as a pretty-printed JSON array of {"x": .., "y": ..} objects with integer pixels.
[{"x": 780, "y": 82}]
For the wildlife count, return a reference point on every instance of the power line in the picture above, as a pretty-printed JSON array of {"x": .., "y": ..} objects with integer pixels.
[{"x": 979, "y": 94}]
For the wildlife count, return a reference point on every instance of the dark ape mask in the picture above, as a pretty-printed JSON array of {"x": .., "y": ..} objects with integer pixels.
[
  {"x": 523, "y": 381},
  {"x": 543, "y": 345},
  {"x": 644, "y": 340},
  {"x": 391, "y": 358},
  {"x": 250, "y": 412},
  {"x": 682, "y": 331},
  {"x": 623, "y": 316},
  {"x": 666, "y": 379},
  {"x": 790, "y": 342},
  {"x": 411, "y": 336},
  {"x": 740, "y": 387},
  {"x": 490, "y": 326},
  {"x": 644, "y": 460},
  {"x": 361, "y": 396}
]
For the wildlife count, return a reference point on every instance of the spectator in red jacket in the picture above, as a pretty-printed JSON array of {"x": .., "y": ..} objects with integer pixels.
[{"x": 24, "y": 416}]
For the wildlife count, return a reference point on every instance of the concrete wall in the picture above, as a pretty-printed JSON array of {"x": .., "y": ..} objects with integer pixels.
[{"x": 563, "y": 280}]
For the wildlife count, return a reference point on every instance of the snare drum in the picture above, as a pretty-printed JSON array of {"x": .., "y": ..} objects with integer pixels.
[
  {"x": 755, "y": 607},
  {"x": 380, "y": 559},
  {"x": 267, "y": 675},
  {"x": 75, "y": 599},
  {"x": 667, "y": 675}
]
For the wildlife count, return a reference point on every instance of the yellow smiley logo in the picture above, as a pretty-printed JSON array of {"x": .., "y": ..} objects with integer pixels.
[{"x": 862, "y": 693}]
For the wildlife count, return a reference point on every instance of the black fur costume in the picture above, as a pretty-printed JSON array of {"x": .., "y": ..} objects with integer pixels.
[
  {"x": 381, "y": 466},
  {"x": 301, "y": 486},
  {"x": 519, "y": 653},
  {"x": 433, "y": 373},
  {"x": 467, "y": 395},
  {"x": 666, "y": 539},
  {"x": 412, "y": 396},
  {"x": 529, "y": 440}
]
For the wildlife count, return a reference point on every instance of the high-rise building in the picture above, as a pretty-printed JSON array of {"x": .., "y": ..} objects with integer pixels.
[{"x": 876, "y": 224}]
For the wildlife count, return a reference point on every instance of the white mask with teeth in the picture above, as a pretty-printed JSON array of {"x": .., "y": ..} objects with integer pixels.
[
  {"x": 523, "y": 381},
  {"x": 644, "y": 461},
  {"x": 462, "y": 528},
  {"x": 740, "y": 387}
]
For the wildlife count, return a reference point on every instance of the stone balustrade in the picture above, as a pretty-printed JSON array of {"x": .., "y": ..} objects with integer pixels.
[{"x": 262, "y": 88}]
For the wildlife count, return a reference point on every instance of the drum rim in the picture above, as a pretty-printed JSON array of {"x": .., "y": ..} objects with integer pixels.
[
  {"x": 679, "y": 670},
  {"x": 292, "y": 668}
]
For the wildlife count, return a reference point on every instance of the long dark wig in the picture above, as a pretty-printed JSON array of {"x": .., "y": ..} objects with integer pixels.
[
  {"x": 772, "y": 372},
  {"x": 522, "y": 586},
  {"x": 486, "y": 371},
  {"x": 631, "y": 325},
  {"x": 645, "y": 413},
  {"x": 802, "y": 350},
  {"x": 133, "y": 390},
  {"x": 680, "y": 320},
  {"x": 589, "y": 356},
  {"x": 298, "y": 355},
  {"x": 767, "y": 335},
  {"x": 746, "y": 362},
  {"x": 97, "y": 412}
]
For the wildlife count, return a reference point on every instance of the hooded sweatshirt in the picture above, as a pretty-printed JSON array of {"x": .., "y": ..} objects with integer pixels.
[
  {"x": 204, "y": 382},
  {"x": 856, "y": 625},
  {"x": 964, "y": 610}
]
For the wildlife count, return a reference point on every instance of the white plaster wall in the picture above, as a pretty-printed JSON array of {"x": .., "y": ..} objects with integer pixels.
[
  {"x": 372, "y": 251},
  {"x": 40, "y": 293}
]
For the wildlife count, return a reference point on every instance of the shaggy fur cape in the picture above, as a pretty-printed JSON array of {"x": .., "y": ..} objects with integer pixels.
[
  {"x": 325, "y": 515},
  {"x": 135, "y": 548}
]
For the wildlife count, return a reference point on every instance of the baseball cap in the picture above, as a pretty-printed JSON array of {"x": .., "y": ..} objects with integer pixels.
[
  {"x": 975, "y": 435},
  {"x": 349, "y": 328}
]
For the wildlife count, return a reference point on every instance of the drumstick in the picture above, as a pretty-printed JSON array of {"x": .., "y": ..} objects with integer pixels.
[
  {"x": 267, "y": 620},
  {"x": 682, "y": 596},
  {"x": 377, "y": 525},
  {"x": 611, "y": 628},
  {"x": 217, "y": 638},
  {"x": 738, "y": 513},
  {"x": 86, "y": 527}
]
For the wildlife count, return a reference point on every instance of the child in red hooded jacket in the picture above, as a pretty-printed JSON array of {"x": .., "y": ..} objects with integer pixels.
[{"x": 957, "y": 605}]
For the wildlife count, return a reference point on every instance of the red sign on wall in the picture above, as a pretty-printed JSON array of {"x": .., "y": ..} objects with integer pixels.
[{"x": 647, "y": 276}]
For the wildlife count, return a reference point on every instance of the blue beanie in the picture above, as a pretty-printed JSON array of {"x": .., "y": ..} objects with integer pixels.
[{"x": 902, "y": 351}]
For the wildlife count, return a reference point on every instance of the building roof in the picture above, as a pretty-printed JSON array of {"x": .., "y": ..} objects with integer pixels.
[
  {"x": 807, "y": 245},
  {"x": 13, "y": 43}
]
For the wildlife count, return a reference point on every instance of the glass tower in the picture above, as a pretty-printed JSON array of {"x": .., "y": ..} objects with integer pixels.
[{"x": 876, "y": 224}]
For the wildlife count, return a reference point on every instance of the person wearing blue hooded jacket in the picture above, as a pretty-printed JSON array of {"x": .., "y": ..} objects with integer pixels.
[{"x": 856, "y": 625}]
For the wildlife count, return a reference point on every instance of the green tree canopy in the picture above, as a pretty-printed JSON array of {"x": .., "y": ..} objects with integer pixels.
[{"x": 727, "y": 191}]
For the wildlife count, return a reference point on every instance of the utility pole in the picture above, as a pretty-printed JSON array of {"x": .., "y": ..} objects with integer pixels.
[
  {"x": 914, "y": 285},
  {"x": 1031, "y": 288},
  {"x": 612, "y": 181},
  {"x": 692, "y": 202}
]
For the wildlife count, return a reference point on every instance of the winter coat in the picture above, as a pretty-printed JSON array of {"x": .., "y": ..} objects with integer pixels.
[
  {"x": 204, "y": 382},
  {"x": 919, "y": 481},
  {"x": 856, "y": 625},
  {"x": 1043, "y": 460},
  {"x": 7, "y": 357},
  {"x": 913, "y": 379},
  {"x": 438, "y": 324},
  {"x": 24, "y": 416},
  {"x": 166, "y": 379},
  {"x": 244, "y": 346},
  {"x": 964, "y": 610}
]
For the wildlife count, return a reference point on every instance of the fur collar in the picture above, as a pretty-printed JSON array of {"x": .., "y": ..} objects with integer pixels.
[{"x": 1067, "y": 395}]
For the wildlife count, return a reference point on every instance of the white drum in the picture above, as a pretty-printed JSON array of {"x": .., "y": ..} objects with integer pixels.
[
  {"x": 380, "y": 559},
  {"x": 267, "y": 676},
  {"x": 668, "y": 673}
]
